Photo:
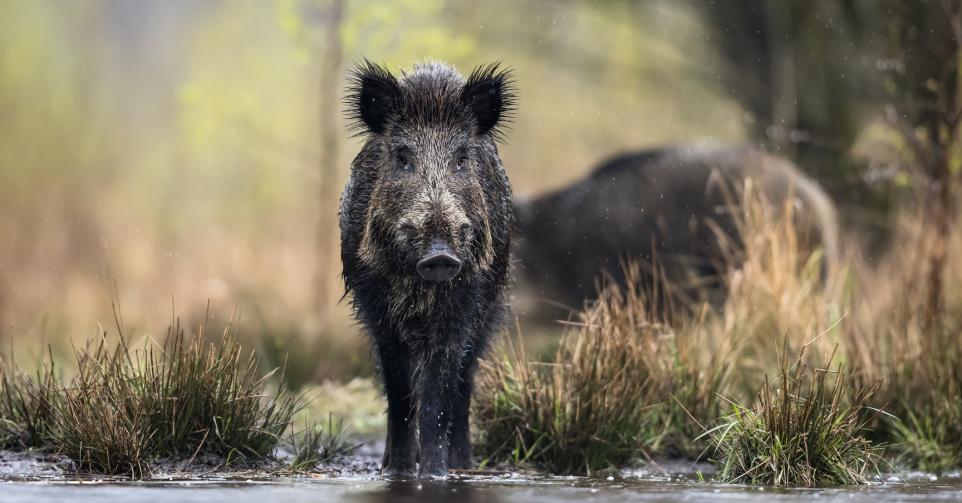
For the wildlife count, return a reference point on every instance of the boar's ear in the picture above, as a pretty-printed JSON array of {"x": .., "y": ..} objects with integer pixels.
[
  {"x": 372, "y": 97},
  {"x": 489, "y": 94}
]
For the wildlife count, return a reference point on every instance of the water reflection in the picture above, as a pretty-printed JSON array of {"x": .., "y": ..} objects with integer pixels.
[{"x": 418, "y": 491}]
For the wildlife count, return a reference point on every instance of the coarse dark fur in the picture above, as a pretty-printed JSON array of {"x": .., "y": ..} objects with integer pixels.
[
  {"x": 428, "y": 182},
  {"x": 670, "y": 206}
]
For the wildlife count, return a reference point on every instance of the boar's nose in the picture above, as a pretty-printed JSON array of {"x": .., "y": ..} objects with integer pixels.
[{"x": 439, "y": 263}]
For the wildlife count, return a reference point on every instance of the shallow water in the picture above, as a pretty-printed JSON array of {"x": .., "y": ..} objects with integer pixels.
[
  {"x": 32, "y": 477},
  {"x": 501, "y": 488}
]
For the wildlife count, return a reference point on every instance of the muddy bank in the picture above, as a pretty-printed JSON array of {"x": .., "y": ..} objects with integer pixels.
[
  {"x": 42, "y": 466},
  {"x": 364, "y": 465}
]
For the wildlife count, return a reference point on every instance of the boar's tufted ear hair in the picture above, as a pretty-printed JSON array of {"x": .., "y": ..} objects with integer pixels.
[
  {"x": 372, "y": 97},
  {"x": 489, "y": 93}
]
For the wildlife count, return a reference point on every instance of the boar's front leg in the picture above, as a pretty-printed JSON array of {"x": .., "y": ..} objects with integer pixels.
[
  {"x": 435, "y": 390},
  {"x": 459, "y": 448},
  {"x": 399, "y": 450}
]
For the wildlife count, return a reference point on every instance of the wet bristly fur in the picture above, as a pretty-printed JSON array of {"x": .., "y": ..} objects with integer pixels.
[{"x": 429, "y": 171}]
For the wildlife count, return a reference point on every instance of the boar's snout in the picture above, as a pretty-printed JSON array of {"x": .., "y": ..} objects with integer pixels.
[{"x": 439, "y": 263}]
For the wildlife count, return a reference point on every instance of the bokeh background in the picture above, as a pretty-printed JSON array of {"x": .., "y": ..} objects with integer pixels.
[{"x": 161, "y": 156}]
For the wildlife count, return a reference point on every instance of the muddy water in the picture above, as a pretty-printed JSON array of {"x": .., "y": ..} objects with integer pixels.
[{"x": 500, "y": 488}]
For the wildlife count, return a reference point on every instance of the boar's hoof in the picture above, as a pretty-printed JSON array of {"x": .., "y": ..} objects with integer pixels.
[
  {"x": 398, "y": 472},
  {"x": 433, "y": 472}
]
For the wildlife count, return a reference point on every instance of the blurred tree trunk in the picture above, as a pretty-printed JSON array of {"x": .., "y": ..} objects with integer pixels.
[
  {"x": 941, "y": 214},
  {"x": 331, "y": 57},
  {"x": 942, "y": 134}
]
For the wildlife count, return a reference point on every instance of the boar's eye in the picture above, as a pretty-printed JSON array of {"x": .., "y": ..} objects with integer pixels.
[
  {"x": 403, "y": 159},
  {"x": 461, "y": 159}
]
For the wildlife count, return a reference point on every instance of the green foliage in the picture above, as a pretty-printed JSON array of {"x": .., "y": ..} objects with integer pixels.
[
  {"x": 928, "y": 443},
  {"x": 42, "y": 100}
]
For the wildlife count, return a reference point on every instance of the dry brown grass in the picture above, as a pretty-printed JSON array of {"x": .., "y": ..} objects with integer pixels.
[
  {"x": 805, "y": 428},
  {"x": 919, "y": 366},
  {"x": 624, "y": 385},
  {"x": 783, "y": 291},
  {"x": 124, "y": 408},
  {"x": 620, "y": 387}
]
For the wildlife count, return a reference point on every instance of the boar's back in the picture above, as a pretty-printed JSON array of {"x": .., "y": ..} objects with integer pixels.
[{"x": 666, "y": 206}]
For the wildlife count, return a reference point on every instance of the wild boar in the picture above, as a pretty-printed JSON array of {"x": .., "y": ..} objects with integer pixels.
[
  {"x": 669, "y": 206},
  {"x": 425, "y": 222}
]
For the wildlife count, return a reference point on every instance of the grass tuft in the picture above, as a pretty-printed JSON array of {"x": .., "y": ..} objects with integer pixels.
[
  {"x": 209, "y": 397},
  {"x": 187, "y": 397},
  {"x": 25, "y": 414},
  {"x": 805, "y": 430},
  {"x": 98, "y": 422},
  {"x": 620, "y": 387}
]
